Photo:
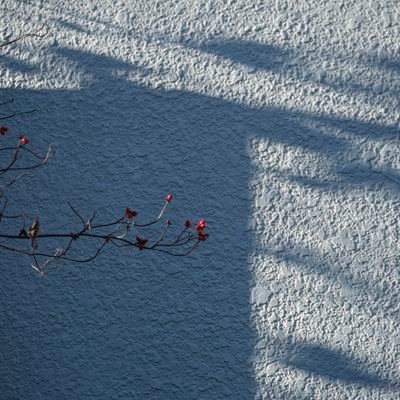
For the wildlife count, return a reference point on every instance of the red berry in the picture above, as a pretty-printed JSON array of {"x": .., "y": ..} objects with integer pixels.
[
  {"x": 201, "y": 225},
  {"x": 23, "y": 140},
  {"x": 169, "y": 197},
  {"x": 3, "y": 130},
  {"x": 129, "y": 213}
]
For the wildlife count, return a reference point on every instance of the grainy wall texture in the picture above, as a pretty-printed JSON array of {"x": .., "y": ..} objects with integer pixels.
[{"x": 278, "y": 122}]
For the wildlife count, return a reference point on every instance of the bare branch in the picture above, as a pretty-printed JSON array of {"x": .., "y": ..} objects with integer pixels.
[
  {"x": 160, "y": 215},
  {"x": 77, "y": 214},
  {"x": 40, "y": 33},
  {"x": 120, "y": 232},
  {"x": 7, "y": 102},
  {"x": 17, "y": 113}
]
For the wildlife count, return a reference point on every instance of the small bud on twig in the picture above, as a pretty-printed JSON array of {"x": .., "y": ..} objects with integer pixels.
[{"x": 34, "y": 231}]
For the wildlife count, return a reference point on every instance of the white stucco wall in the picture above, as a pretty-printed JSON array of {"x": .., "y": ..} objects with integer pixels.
[{"x": 276, "y": 121}]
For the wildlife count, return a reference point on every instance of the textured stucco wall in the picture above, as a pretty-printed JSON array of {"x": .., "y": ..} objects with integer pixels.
[{"x": 277, "y": 121}]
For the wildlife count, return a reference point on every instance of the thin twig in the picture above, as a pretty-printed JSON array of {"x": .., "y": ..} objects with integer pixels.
[
  {"x": 160, "y": 215},
  {"x": 77, "y": 214},
  {"x": 26, "y": 35},
  {"x": 7, "y": 102},
  {"x": 17, "y": 113}
]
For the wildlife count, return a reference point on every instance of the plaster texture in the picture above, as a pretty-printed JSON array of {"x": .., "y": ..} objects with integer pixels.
[{"x": 278, "y": 122}]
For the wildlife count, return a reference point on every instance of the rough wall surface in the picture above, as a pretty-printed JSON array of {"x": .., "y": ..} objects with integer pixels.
[{"x": 278, "y": 121}]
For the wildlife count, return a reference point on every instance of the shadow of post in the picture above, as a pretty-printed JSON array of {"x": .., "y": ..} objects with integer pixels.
[{"x": 134, "y": 328}]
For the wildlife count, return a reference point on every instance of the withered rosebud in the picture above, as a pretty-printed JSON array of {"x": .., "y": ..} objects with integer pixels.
[
  {"x": 34, "y": 232},
  {"x": 141, "y": 243},
  {"x": 129, "y": 213},
  {"x": 202, "y": 236}
]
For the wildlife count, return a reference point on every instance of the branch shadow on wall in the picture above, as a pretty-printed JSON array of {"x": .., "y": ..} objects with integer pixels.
[
  {"x": 320, "y": 361},
  {"x": 346, "y": 162},
  {"x": 256, "y": 56},
  {"x": 10, "y": 63},
  {"x": 291, "y": 63}
]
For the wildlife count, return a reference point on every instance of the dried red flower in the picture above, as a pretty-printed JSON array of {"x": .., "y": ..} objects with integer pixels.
[
  {"x": 168, "y": 222},
  {"x": 202, "y": 236},
  {"x": 3, "y": 130},
  {"x": 169, "y": 197},
  {"x": 141, "y": 243},
  {"x": 201, "y": 225},
  {"x": 188, "y": 223},
  {"x": 23, "y": 140},
  {"x": 129, "y": 213}
]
